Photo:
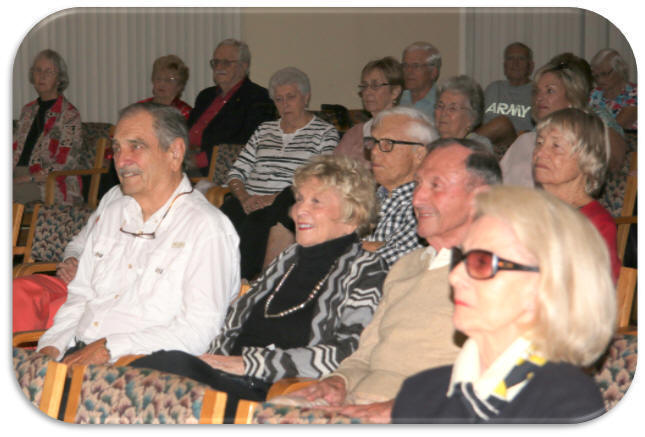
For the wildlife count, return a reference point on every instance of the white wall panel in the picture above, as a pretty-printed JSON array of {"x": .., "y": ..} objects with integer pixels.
[
  {"x": 110, "y": 51},
  {"x": 548, "y": 31}
]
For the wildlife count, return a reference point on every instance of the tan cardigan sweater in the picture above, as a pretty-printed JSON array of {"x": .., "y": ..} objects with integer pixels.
[{"x": 411, "y": 331}]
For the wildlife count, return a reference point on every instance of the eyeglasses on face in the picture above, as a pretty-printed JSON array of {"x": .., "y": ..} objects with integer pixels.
[
  {"x": 450, "y": 109},
  {"x": 46, "y": 73},
  {"x": 152, "y": 235},
  {"x": 414, "y": 66},
  {"x": 168, "y": 80},
  {"x": 483, "y": 264},
  {"x": 386, "y": 144},
  {"x": 602, "y": 74},
  {"x": 373, "y": 86},
  {"x": 224, "y": 63}
]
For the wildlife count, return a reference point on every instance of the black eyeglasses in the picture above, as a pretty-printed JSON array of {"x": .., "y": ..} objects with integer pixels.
[
  {"x": 373, "y": 86},
  {"x": 386, "y": 144},
  {"x": 225, "y": 63},
  {"x": 482, "y": 264},
  {"x": 151, "y": 235}
]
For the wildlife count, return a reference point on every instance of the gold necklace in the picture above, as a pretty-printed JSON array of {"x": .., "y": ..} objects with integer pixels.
[{"x": 300, "y": 306}]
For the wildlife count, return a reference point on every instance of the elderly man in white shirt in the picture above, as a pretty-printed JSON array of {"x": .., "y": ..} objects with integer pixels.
[{"x": 161, "y": 264}]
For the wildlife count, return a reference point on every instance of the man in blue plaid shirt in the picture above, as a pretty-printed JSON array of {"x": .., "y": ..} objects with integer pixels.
[{"x": 397, "y": 147}]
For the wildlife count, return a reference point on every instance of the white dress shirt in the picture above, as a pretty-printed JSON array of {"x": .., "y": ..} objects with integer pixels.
[{"x": 143, "y": 295}]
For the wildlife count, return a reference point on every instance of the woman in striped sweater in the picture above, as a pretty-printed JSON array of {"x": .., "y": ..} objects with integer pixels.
[{"x": 266, "y": 165}]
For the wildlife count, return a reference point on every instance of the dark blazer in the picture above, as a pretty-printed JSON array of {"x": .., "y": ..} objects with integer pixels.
[{"x": 238, "y": 118}]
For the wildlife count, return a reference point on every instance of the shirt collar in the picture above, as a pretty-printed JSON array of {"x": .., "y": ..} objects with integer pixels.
[
  {"x": 133, "y": 212},
  {"x": 436, "y": 260},
  {"x": 467, "y": 369},
  {"x": 401, "y": 190}
]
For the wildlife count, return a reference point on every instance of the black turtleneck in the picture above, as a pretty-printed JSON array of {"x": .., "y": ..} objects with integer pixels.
[
  {"x": 293, "y": 330},
  {"x": 36, "y": 129}
]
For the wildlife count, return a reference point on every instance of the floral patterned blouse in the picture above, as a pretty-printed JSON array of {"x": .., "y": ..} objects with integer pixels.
[
  {"x": 57, "y": 148},
  {"x": 626, "y": 98}
]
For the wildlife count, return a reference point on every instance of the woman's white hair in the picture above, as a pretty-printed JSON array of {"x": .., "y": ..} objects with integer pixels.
[
  {"x": 576, "y": 300},
  {"x": 615, "y": 60}
]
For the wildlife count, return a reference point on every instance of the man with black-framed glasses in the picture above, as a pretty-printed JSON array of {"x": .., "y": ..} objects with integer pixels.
[
  {"x": 160, "y": 264},
  {"x": 421, "y": 63},
  {"x": 230, "y": 111},
  {"x": 395, "y": 149}
]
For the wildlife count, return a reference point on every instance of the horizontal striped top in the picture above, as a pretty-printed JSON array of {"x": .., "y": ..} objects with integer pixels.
[{"x": 268, "y": 161}]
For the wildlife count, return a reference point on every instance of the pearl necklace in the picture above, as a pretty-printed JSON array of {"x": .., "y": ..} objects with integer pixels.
[{"x": 300, "y": 306}]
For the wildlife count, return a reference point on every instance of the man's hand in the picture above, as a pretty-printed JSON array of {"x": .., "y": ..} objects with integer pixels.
[
  {"x": 66, "y": 270},
  {"x": 372, "y": 246},
  {"x": 93, "y": 353},
  {"x": 377, "y": 412},
  {"x": 51, "y": 351},
  {"x": 230, "y": 364},
  {"x": 330, "y": 389}
]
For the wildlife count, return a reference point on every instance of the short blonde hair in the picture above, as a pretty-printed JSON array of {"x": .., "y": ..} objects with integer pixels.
[
  {"x": 576, "y": 302},
  {"x": 354, "y": 183},
  {"x": 171, "y": 62},
  {"x": 589, "y": 137}
]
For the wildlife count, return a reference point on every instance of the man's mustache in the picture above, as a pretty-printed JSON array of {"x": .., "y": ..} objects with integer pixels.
[{"x": 129, "y": 171}]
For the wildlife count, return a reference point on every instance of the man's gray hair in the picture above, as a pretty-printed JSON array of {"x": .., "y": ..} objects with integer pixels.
[
  {"x": 434, "y": 56},
  {"x": 468, "y": 87},
  {"x": 529, "y": 51},
  {"x": 168, "y": 123},
  {"x": 290, "y": 76},
  {"x": 419, "y": 127},
  {"x": 481, "y": 164},
  {"x": 243, "y": 52},
  {"x": 59, "y": 63}
]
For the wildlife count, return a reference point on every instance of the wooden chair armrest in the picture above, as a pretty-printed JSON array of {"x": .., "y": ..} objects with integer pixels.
[
  {"x": 630, "y": 220},
  {"x": 215, "y": 195},
  {"x": 631, "y": 330},
  {"x": 26, "y": 338},
  {"x": 51, "y": 179},
  {"x": 26, "y": 269},
  {"x": 244, "y": 411},
  {"x": 288, "y": 385},
  {"x": 127, "y": 359}
]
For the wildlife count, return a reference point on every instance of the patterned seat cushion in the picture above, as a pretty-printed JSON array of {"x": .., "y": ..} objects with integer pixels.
[
  {"x": 617, "y": 368},
  {"x": 90, "y": 133},
  {"x": 115, "y": 394},
  {"x": 56, "y": 225},
  {"x": 270, "y": 413},
  {"x": 226, "y": 156},
  {"x": 613, "y": 191},
  {"x": 30, "y": 369}
]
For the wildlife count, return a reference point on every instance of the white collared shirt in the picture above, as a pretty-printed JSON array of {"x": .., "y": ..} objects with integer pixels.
[
  {"x": 467, "y": 369},
  {"x": 436, "y": 260},
  {"x": 170, "y": 292}
]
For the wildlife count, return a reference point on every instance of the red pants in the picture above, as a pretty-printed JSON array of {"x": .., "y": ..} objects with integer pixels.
[{"x": 36, "y": 299}]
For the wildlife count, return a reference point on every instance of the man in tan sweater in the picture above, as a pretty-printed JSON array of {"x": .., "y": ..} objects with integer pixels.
[{"x": 412, "y": 328}]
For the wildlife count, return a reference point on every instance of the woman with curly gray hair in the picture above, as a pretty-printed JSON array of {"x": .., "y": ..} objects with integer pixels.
[
  {"x": 48, "y": 136},
  {"x": 459, "y": 109},
  {"x": 570, "y": 162}
]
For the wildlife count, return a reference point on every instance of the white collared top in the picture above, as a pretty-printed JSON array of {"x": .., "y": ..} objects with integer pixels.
[{"x": 143, "y": 295}]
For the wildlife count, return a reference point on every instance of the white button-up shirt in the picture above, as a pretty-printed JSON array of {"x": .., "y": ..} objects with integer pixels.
[{"x": 143, "y": 295}]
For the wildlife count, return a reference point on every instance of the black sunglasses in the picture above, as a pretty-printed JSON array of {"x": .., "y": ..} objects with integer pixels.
[{"x": 482, "y": 264}]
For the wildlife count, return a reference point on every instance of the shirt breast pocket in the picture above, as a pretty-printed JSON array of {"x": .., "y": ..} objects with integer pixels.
[
  {"x": 107, "y": 256},
  {"x": 162, "y": 284}
]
